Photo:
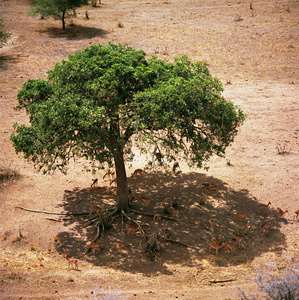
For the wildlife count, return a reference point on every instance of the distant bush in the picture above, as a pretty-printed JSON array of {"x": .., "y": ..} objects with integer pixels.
[
  {"x": 276, "y": 283},
  {"x": 4, "y": 35},
  {"x": 7, "y": 174}
]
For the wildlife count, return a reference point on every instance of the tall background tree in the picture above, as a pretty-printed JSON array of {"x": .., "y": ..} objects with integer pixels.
[
  {"x": 4, "y": 35},
  {"x": 99, "y": 101},
  {"x": 58, "y": 9}
]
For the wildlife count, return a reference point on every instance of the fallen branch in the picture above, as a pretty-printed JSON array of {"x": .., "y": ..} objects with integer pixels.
[
  {"x": 222, "y": 281},
  {"x": 152, "y": 215},
  {"x": 52, "y": 219},
  {"x": 177, "y": 242},
  {"x": 47, "y": 212}
]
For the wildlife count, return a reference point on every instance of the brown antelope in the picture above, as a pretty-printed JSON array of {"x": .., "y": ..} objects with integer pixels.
[
  {"x": 281, "y": 212},
  {"x": 67, "y": 192},
  {"x": 266, "y": 228},
  {"x": 240, "y": 215},
  {"x": 215, "y": 241},
  {"x": 296, "y": 215},
  {"x": 215, "y": 246},
  {"x": 94, "y": 182},
  {"x": 212, "y": 222},
  {"x": 137, "y": 172},
  {"x": 72, "y": 261},
  {"x": 157, "y": 216},
  {"x": 131, "y": 229},
  {"x": 263, "y": 206},
  {"x": 230, "y": 246},
  {"x": 212, "y": 187},
  {"x": 95, "y": 247},
  {"x": 145, "y": 200},
  {"x": 239, "y": 240},
  {"x": 176, "y": 212},
  {"x": 95, "y": 208},
  {"x": 118, "y": 247},
  {"x": 109, "y": 174}
]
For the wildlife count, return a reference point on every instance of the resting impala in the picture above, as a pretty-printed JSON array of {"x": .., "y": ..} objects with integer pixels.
[
  {"x": 67, "y": 192},
  {"x": 157, "y": 216},
  {"x": 215, "y": 246},
  {"x": 93, "y": 247},
  {"x": 296, "y": 214},
  {"x": 118, "y": 247},
  {"x": 145, "y": 200},
  {"x": 230, "y": 246},
  {"x": 216, "y": 241},
  {"x": 95, "y": 208},
  {"x": 212, "y": 187},
  {"x": 131, "y": 229},
  {"x": 176, "y": 212},
  {"x": 266, "y": 228},
  {"x": 137, "y": 172},
  {"x": 212, "y": 222},
  {"x": 240, "y": 215},
  {"x": 239, "y": 240}
]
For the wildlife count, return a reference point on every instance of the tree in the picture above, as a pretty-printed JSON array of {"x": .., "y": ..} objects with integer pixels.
[
  {"x": 59, "y": 9},
  {"x": 4, "y": 35},
  {"x": 100, "y": 100}
]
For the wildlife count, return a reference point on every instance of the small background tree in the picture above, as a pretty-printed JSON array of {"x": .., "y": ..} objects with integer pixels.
[
  {"x": 100, "y": 101},
  {"x": 4, "y": 35},
  {"x": 59, "y": 9}
]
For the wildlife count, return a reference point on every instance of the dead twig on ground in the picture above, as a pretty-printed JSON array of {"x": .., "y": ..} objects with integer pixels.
[
  {"x": 223, "y": 280},
  {"x": 48, "y": 212}
]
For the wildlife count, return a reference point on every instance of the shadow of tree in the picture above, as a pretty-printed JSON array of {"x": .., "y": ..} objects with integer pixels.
[
  {"x": 74, "y": 32},
  {"x": 192, "y": 229}
]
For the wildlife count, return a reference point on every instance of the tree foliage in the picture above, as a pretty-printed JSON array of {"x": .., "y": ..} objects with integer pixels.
[
  {"x": 59, "y": 9},
  {"x": 99, "y": 101},
  {"x": 4, "y": 35}
]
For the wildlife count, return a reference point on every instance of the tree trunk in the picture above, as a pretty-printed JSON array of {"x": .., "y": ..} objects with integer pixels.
[
  {"x": 121, "y": 181},
  {"x": 63, "y": 20}
]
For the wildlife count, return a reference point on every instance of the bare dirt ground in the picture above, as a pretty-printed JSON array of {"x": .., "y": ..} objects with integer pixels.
[{"x": 255, "y": 54}]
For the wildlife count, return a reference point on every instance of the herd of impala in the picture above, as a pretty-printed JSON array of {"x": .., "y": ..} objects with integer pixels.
[{"x": 215, "y": 244}]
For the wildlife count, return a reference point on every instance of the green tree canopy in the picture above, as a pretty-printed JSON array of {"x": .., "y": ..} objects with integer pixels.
[
  {"x": 100, "y": 100},
  {"x": 59, "y": 9}
]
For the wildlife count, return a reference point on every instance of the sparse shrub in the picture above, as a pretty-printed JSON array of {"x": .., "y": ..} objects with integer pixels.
[
  {"x": 7, "y": 174},
  {"x": 120, "y": 25},
  {"x": 153, "y": 245},
  {"x": 283, "y": 148},
  {"x": 276, "y": 283},
  {"x": 110, "y": 295}
]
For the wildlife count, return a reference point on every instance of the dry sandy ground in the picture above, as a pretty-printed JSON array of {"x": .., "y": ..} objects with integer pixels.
[{"x": 255, "y": 54}]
